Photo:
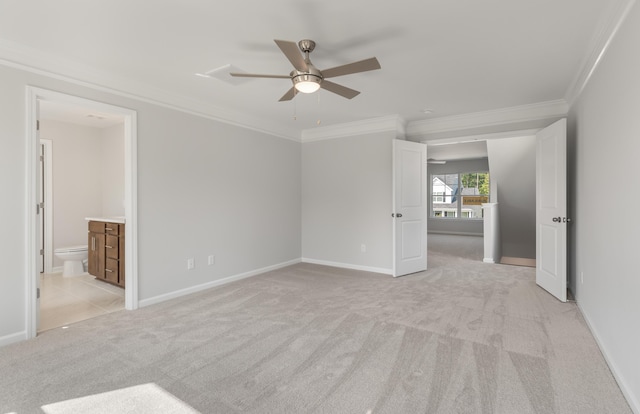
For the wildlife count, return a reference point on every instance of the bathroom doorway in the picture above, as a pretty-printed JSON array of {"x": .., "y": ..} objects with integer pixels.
[
  {"x": 63, "y": 112},
  {"x": 83, "y": 177}
]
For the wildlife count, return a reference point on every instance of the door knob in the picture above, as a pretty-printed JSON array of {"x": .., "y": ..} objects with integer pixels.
[
  {"x": 399, "y": 215},
  {"x": 557, "y": 219}
]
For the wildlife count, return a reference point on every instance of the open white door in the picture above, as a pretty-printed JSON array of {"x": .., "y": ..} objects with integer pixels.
[
  {"x": 409, "y": 207},
  {"x": 551, "y": 209},
  {"x": 40, "y": 213}
]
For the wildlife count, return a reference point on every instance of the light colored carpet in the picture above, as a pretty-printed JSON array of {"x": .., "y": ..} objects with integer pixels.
[
  {"x": 462, "y": 337},
  {"x": 140, "y": 399}
]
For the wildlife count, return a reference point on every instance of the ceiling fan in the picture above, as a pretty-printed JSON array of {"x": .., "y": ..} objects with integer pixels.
[
  {"x": 434, "y": 161},
  {"x": 307, "y": 78}
]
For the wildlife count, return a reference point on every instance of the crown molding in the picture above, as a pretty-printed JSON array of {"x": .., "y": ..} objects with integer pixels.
[
  {"x": 606, "y": 31},
  {"x": 30, "y": 60},
  {"x": 482, "y": 137},
  {"x": 392, "y": 123},
  {"x": 497, "y": 117}
]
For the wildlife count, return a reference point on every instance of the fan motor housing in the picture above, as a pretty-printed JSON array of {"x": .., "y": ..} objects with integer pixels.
[
  {"x": 307, "y": 45},
  {"x": 313, "y": 75}
]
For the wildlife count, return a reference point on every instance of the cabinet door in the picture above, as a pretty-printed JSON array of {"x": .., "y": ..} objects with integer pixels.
[{"x": 96, "y": 254}]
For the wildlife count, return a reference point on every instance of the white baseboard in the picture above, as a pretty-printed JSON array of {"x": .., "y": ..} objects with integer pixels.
[
  {"x": 455, "y": 233},
  {"x": 488, "y": 260},
  {"x": 182, "y": 292},
  {"x": 13, "y": 338},
  {"x": 626, "y": 391},
  {"x": 348, "y": 266}
]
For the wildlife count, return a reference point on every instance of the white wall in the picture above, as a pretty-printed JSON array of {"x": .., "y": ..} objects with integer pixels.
[
  {"x": 605, "y": 135},
  {"x": 211, "y": 188},
  {"x": 346, "y": 201},
  {"x": 512, "y": 165},
  {"x": 204, "y": 187}
]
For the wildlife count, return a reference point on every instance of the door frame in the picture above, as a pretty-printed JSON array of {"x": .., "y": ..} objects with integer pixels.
[
  {"x": 33, "y": 96},
  {"x": 48, "y": 204}
]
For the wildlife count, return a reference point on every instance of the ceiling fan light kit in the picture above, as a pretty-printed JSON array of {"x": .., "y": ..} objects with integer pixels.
[
  {"x": 306, "y": 78},
  {"x": 305, "y": 82}
]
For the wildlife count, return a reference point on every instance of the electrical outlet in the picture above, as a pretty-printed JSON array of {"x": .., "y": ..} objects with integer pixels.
[
  {"x": 363, "y": 248},
  {"x": 191, "y": 263},
  {"x": 211, "y": 260}
]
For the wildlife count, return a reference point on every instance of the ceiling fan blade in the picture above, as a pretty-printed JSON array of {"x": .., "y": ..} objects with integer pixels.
[
  {"x": 291, "y": 93},
  {"x": 292, "y": 52},
  {"x": 253, "y": 75},
  {"x": 339, "y": 89},
  {"x": 355, "y": 67}
]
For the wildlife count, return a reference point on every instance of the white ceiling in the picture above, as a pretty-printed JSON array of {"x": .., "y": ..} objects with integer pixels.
[{"x": 452, "y": 57}]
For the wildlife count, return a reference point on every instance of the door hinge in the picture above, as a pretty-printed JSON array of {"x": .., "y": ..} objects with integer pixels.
[
  {"x": 38, "y": 125},
  {"x": 41, "y": 252},
  {"x": 37, "y": 293}
]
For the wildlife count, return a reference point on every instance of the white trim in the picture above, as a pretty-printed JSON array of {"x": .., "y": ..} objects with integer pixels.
[
  {"x": 348, "y": 266},
  {"x": 48, "y": 205},
  {"x": 131, "y": 213},
  {"x": 214, "y": 283},
  {"x": 486, "y": 260},
  {"x": 634, "y": 404},
  {"x": 481, "y": 137},
  {"x": 13, "y": 338},
  {"x": 542, "y": 111},
  {"x": 607, "y": 30},
  {"x": 348, "y": 129},
  {"x": 31, "y": 218},
  {"x": 131, "y": 209},
  {"x": 454, "y": 233}
]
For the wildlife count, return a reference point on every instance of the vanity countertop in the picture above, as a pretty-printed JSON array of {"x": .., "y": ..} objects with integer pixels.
[{"x": 120, "y": 219}]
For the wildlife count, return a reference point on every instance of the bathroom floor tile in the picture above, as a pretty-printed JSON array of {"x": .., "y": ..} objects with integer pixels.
[{"x": 65, "y": 300}]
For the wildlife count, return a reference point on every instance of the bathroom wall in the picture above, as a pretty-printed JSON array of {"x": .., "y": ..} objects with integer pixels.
[
  {"x": 88, "y": 178},
  {"x": 112, "y": 151}
]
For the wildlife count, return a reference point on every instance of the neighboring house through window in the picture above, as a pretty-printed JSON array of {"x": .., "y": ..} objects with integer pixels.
[{"x": 459, "y": 195}]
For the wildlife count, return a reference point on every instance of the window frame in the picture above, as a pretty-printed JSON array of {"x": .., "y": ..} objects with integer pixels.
[{"x": 441, "y": 210}]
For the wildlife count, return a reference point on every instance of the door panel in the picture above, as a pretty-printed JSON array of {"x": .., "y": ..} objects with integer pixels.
[
  {"x": 409, "y": 207},
  {"x": 551, "y": 210}
]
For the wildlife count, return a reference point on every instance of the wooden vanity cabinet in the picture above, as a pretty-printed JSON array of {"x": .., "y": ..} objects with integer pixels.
[{"x": 106, "y": 252}]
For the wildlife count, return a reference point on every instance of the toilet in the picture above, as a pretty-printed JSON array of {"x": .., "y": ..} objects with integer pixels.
[{"x": 74, "y": 258}]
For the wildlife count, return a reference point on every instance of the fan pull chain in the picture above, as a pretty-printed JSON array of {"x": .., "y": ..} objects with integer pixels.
[
  {"x": 295, "y": 116},
  {"x": 318, "y": 121}
]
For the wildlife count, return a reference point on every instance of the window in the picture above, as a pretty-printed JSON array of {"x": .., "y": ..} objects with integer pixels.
[{"x": 459, "y": 195}]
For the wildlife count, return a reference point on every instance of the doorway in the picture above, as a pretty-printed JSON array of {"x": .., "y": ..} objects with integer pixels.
[{"x": 35, "y": 96}]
